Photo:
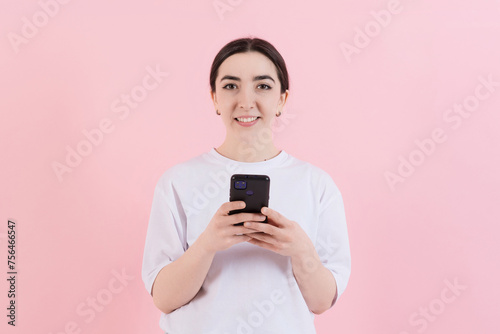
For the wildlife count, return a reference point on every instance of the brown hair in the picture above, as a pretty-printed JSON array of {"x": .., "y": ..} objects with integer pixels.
[{"x": 243, "y": 45}]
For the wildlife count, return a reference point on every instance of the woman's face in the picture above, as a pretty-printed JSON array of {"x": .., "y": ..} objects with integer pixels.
[{"x": 247, "y": 87}]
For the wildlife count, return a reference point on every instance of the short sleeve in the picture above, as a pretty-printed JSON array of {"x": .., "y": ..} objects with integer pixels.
[
  {"x": 332, "y": 243},
  {"x": 165, "y": 238}
]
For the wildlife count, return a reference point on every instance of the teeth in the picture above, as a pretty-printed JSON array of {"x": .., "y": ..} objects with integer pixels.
[{"x": 246, "y": 119}]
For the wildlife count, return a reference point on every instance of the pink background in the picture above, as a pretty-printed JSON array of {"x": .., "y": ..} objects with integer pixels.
[{"x": 352, "y": 116}]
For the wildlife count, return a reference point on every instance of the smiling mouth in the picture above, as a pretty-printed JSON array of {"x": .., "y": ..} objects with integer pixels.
[{"x": 246, "y": 119}]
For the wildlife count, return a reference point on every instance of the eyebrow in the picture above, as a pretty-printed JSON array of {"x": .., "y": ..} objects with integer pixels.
[{"x": 257, "y": 78}]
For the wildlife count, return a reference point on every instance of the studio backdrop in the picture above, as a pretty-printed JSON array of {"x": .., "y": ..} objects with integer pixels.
[{"x": 398, "y": 100}]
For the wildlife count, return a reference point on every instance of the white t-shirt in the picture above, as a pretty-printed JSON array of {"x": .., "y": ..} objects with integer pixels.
[{"x": 248, "y": 289}]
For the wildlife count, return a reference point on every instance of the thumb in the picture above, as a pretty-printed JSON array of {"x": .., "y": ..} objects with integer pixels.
[{"x": 271, "y": 214}]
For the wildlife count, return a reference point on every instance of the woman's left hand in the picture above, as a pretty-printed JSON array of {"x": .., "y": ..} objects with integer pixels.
[
  {"x": 280, "y": 235},
  {"x": 286, "y": 237}
]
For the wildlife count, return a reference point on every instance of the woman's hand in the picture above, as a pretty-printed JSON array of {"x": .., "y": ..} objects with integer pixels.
[
  {"x": 221, "y": 233},
  {"x": 286, "y": 237},
  {"x": 280, "y": 235}
]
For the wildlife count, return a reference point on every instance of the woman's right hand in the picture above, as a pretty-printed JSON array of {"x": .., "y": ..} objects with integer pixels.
[{"x": 220, "y": 233}]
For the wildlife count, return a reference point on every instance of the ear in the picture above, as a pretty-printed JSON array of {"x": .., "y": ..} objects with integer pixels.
[
  {"x": 282, "y": 100},
  {"x": 214, "y": 99}
]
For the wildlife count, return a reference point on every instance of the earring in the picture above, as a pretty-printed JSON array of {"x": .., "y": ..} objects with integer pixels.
[
  {"x": 217, "y": 112},
  {"x": 278, "y": 114}
]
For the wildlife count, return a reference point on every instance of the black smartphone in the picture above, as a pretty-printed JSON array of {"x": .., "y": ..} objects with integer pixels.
[{"x": 253, "y": 189}]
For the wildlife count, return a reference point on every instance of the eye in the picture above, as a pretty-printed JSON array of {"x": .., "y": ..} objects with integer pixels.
[
  {"x": 264, "y": 86},
  {"x": 230, "y": 86}
]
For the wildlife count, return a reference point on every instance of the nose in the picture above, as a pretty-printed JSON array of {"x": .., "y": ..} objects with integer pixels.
[{"x": 246, "y": 99}]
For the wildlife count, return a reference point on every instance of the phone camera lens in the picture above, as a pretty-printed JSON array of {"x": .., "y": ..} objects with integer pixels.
[{"x": 240, "y": 185}]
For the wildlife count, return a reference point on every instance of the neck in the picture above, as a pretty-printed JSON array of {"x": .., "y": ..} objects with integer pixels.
[{"x": 248, "y": 151}]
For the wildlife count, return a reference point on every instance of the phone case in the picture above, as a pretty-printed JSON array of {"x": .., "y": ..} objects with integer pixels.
[{"x": 251, "y": 188}]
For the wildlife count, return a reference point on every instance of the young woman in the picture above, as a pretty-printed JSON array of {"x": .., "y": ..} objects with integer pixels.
[{"x": 207, "y": 275}]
